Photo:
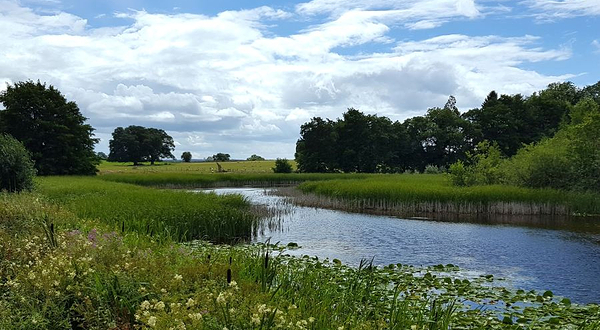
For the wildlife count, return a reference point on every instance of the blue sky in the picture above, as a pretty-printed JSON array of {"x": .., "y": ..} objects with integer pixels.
[{"x": 242, "y": 76}]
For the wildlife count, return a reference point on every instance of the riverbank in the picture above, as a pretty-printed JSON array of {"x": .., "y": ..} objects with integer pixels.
[{"x": 64, "y": 266}]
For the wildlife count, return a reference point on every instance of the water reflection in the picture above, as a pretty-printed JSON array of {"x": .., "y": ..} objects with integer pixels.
[{"x": 561, "y": 255}]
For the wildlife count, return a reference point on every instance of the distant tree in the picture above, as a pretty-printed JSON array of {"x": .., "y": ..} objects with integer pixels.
[
  {"x": 221, "y": 157},
  {"x": 255, "y": 158},
  {"x": 16, "y": 167},
  {"x": 186, "y": 156},
  {"x": 102, "y": 156},
  {"x": 160, "y": 145},
  {"x": 51, "y": 128},
  {"x": 137, "y": 144},
  {"x": 282, "y": 165}
]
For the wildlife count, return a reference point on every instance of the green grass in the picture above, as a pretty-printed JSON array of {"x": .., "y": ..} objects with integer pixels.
[
  {"x": 176, "y": 214},
  {"x": 200, "y": 167},
  {"x": 410, "y": 189}
]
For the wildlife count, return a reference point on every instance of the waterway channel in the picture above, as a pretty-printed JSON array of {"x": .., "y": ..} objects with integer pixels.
[{"x": 563, "y": 257}]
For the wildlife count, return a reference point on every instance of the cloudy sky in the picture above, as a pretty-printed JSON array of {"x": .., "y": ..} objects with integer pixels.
[{"x": 240, "y": 77}]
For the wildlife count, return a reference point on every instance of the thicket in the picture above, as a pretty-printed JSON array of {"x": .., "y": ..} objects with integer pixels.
[
  {"x": 568, "y": 160},
  {"x": 282, "y": 165},
  {"x": 16, "y": 167}
]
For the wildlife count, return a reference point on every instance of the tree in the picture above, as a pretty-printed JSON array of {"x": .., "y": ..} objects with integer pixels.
[
  {"x": 316, "y": 148},
  {"x": 137, "y": 144},
  {"x": 282, "y": 165},
  {"x": 16, "y": 168},
  {"x": 52, "y": 129},
  {"x": 102, "y": 156},
  {"x": 186, "y": 156},
  {"x": 221, "y": 157},
  {"x": 255, "y": 158}
]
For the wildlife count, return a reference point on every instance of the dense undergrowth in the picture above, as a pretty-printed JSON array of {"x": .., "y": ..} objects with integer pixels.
[{"x": 61, "y": 271}]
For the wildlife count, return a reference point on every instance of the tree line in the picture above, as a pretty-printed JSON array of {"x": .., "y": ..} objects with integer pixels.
[{"x": 358, "y": 142}]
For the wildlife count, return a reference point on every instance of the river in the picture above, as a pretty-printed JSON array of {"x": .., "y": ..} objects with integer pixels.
[{"x": 561, "y": 257}]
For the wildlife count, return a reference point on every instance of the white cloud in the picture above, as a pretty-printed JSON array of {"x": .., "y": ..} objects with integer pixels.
[
  {"x": 225, "y": 83},
  {"x": 596, "y": 45},
  {"x": 548, "y": 10},
  {"x": 414, "y": 14}
]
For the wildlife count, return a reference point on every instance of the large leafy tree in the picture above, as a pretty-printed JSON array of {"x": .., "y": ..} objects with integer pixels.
[
  {"x": 138, "y": 144},
  {"x": 315, "y": 150},
  {"x": 51, "y": 128}
]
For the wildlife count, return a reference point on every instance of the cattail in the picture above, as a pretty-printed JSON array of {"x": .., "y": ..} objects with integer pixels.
[
  {"x": 228, "y": 275},
  {"x": 209, "y": 258},
  {"x": 123, "y": 228},
  {"x": 267, "y": 260}
]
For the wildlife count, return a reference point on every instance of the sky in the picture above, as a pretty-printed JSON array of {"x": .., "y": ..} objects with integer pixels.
[{"x": 241, "y": 77}]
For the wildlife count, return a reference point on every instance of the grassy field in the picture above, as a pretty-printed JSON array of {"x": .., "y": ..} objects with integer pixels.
[
  {"x": 197, "y": 167},
  {"x": 64, "y": 266}
]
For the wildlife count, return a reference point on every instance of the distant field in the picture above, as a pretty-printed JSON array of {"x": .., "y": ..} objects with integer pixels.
[{"x": 200, "y": 167}]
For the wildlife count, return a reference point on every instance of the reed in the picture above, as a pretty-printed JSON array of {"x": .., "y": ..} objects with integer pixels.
[
  {"x": 171, "y": 214},
  {"x": 421, "y": 194}
]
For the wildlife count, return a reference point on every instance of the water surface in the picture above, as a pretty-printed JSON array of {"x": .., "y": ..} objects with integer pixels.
[{"x": 560, "y": 256}]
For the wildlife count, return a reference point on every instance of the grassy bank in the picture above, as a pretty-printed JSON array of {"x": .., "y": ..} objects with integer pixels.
[
  {"x": 80, "y": 273},
  {"x": 433, "y": 193},
  {"x": 171, "y": 214}
]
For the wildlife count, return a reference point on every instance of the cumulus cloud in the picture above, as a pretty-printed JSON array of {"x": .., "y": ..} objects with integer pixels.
[
  {"x": 228, "y": 83},
  {"x": 548, "y": 10},
  {"x": 596, "y": 45}
]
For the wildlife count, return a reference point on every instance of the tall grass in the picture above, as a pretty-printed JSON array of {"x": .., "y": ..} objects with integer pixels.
[
  {"x": 433, "y": 193},
  {"x": 170, "y": 214}
]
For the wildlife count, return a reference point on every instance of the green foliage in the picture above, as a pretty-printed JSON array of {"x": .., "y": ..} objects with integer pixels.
[
  {"x": 282, "y": 165},
  {"x": 460, "y": 175},
  {"x": 16, "y": 167},
  {"x": 186, "y": 156},
  {"x": 137, "y": 144},
  {"x": 102, "y": 156},
  {"x": 221, "y": 157},
  {"x": 52, "y": 129},
  {"x": 255, "y": 158}
]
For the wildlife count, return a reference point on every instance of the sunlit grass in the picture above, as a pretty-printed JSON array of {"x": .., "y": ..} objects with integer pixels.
[
  {"x": 175, "y": 214},
  {"x": 192, "y": 167}
]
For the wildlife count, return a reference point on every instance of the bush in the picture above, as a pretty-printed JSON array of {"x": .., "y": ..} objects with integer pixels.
[
  {"x": 282, "y": 165},
  {"x": 459, "y": 174},
  {"x": 16, "y": 166},
  {"x": 432, "y": 169}
]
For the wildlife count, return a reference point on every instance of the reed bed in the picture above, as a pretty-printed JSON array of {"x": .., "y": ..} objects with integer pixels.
[
  {"x": 179, "y": 215},
  {"x": 419, "y": 194}
]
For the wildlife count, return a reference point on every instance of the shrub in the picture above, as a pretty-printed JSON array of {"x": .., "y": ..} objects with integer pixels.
[
  {"x": 459, "y": 174},
  {"x": 432, "y": 169},
  {"x": 282, "y": 165},
  {"x": 16, "y": 166}
]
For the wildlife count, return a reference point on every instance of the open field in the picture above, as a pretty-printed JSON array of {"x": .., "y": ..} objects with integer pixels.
[
  {"x": 194, "y": 167},
  {"x": 63, "y": 266}
]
